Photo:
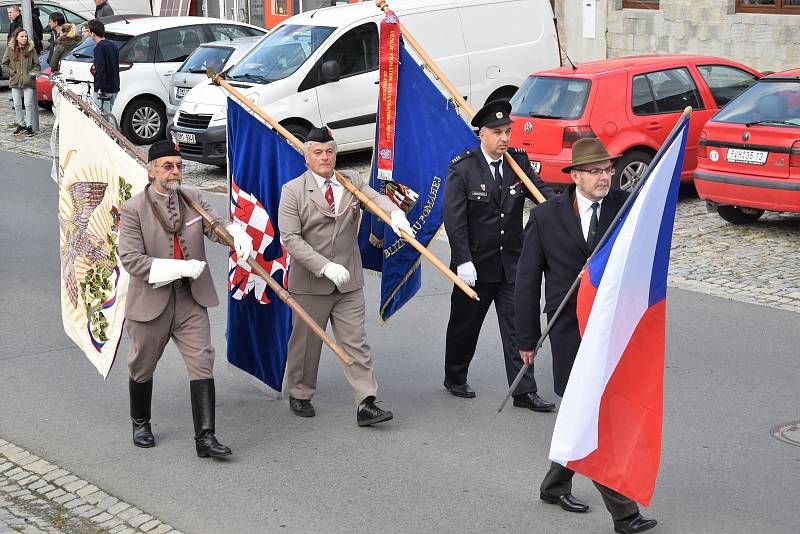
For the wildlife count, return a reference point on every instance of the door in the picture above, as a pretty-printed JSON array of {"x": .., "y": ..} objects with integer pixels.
[
  {"x": 657, "y": 101},
  {"x": 348, "y": 105},
  {"x": 173, "y": 46}
]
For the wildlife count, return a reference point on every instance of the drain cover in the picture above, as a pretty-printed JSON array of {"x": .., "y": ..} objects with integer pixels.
[{"x": 787, "y": 433}]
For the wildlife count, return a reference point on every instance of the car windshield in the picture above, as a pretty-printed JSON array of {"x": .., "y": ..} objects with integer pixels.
[
  {"x": 207, "y": 57},
  {"x": 281, "y": 53},
  {"x": 776, "y": 103},
  {"x": 547, "y": 97}
]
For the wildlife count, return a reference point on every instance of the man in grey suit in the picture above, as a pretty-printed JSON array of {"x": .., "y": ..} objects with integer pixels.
[
  {"x": 319, "y": 221},
  {"x": 162, "y": 246}
]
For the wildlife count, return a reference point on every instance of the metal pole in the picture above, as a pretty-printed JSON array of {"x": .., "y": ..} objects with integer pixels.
[{"x": 27, "y": 23}]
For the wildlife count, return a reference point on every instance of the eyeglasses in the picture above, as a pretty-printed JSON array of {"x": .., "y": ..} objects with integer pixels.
[
  {"x": 168, "y": 166},
  {"x": 594, "y": 172}
]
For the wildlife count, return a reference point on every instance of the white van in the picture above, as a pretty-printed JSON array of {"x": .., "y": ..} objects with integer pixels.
[
  {"x": 321, "y": 67},
  {"x": 120, "y": 7}
]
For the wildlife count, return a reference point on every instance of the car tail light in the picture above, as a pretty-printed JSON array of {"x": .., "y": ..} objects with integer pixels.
[
  {"x": 794, "y": 155},
  {"x": 124, "y": 66},
  {"x": 574, "y": 133},
  {"x": 93, "y": 71},
  {"x": 702, "y": 151}
]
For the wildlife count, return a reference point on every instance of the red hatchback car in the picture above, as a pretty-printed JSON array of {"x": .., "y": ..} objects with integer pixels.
[
  {"x": 749, "y": 157},
  {"x": 630, "y": 103}
]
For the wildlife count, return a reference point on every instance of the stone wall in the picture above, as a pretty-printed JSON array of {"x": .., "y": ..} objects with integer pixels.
[{"x": 711, "y": 27}]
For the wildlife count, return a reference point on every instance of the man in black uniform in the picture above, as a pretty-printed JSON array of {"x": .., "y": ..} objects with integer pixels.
[
  {"x": 483, "y": 203},
  {"x": 559, "y": 238}
]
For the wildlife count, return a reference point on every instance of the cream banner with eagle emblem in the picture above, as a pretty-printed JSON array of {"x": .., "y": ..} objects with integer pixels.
[{"x": 95, "y": 178}]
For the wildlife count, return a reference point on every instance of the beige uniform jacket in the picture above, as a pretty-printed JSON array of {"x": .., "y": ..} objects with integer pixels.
[
  {"x": 142, "y": 239},
  {"x": 313, "y": 235}
]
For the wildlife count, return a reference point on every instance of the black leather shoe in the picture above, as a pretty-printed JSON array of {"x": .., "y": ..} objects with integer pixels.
[
  {"x": 369, "y": 414},
  {"x": 461, "y": 390},
  {"x": 636, "y": 523},
  {"x": 208, "y": 447},
  {"x": 302, "y": 407},
  {"x": 142, "y": 434},
  {"x": 566, "y": 502},
  {"x": 534, "y": 402}
]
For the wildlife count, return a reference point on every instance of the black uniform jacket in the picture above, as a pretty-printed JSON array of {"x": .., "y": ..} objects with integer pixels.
[
  {"x": 483, "y": 221},
  {"x": 554, "y": 246}
]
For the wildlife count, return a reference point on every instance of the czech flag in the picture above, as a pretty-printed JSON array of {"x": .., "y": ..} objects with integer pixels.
[{"x": 609, "y": 424}]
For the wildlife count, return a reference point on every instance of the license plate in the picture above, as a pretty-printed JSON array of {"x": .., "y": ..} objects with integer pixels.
[
  {"x": 536, "y": 166},
  {"x": 753, "y": 157},
  {"x": 180, "y": 92},
  {"x": 185, "y": 137}
]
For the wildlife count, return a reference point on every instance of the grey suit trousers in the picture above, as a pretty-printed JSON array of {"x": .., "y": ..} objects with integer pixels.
[
  {"x": 183, "y": 320},
  {"x": 346, "y": 314}
]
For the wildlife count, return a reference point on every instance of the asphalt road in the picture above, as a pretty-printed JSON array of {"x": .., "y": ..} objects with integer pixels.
[{"x": 443, "y": 465}]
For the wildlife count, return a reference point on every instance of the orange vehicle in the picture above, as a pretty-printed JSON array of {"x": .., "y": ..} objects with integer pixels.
[{"x": 630, "y": 103}]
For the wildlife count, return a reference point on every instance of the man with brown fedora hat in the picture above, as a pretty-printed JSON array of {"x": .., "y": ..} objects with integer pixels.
[{"x": 560, "y": 236}]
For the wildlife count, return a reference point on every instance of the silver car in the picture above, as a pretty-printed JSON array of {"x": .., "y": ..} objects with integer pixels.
[{"x": 216, "y": 56}]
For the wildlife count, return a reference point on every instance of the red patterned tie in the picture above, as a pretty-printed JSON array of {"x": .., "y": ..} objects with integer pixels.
[{"x": 329, "y": 195}]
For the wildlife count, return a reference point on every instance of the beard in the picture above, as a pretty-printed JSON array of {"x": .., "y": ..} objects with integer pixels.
[{"x": 172, "y": 185}]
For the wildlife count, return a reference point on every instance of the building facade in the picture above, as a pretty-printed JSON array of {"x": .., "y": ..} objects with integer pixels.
[{"x": 764, "y": 34}]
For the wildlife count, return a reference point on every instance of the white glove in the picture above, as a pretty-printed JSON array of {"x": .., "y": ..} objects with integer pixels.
[
  {"x": 336, "y": 273},
  {"x": 192, "y": 268},
  {"x": 400, "y": 223},
  {"x": 242, "y": 242},
  {"x": 467, "y": 272}
]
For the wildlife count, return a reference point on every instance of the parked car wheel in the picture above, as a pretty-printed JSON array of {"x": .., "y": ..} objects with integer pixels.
[
  {"x": 736, "y": 215},
  {"x": 629, "y": 169},
  {"x": 144, "y": 121},
  {"x": 298, "y": 130}
]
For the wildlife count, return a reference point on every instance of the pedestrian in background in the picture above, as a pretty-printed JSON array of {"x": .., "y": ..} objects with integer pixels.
[
  {"x": 54, "y": 22},
  {"x": 106, "y": 65},
  {"x": 67, "y": 41},
  {"x": 86, "y": 35},
  {"x": 102, "y": 9},
  {"x": 15, "y": 16},
  {"x": 22, "y": 65}
]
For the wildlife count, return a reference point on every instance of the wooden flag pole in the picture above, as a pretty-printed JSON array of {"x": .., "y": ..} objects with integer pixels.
[
  {"x": 374, "y": 208},
  {"x": 226, "y": 237},
  {"x": 431, "y": 65}
]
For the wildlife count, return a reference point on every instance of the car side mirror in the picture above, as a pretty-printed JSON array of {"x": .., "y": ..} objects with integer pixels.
[{"x": 331, "y": 71}]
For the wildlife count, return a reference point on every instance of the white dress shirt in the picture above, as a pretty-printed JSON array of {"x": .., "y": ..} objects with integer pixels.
[
  {"x": 489, "y": 162},
  {"x": 338, "y": 189},
  {"x": 585, "y": 211}
]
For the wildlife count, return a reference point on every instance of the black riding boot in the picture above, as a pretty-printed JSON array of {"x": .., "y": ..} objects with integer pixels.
[
  {"x": 203, "y": 412},
  {"x": 141, "y": 395}
]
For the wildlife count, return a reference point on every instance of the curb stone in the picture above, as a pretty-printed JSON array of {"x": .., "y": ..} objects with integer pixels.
[{"x": 39, "y": 497}]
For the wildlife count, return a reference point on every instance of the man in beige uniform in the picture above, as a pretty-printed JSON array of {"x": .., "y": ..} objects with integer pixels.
[
  {"x": 318, "y": 220},
  {"x": 162, "y": 246}
]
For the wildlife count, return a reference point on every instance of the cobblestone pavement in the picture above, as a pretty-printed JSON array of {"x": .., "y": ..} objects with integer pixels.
[
  {"x": 37, "y": 497},
  {"x": 758, "y": 264}
]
